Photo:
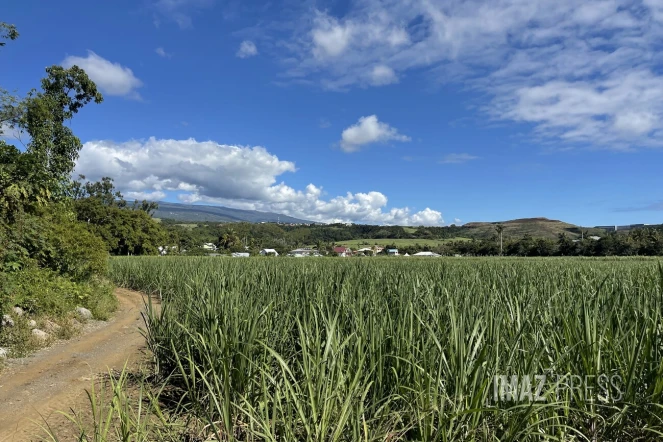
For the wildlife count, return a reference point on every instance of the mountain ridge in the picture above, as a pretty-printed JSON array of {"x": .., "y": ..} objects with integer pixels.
[{"x": 207, "y": 213}]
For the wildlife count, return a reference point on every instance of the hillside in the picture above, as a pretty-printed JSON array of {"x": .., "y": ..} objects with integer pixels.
[
  {"x": 202, "y": 213},
  {"x": 536, "y": 227}
]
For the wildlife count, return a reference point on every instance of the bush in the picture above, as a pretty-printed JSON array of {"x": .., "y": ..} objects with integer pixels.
[
  {"x": 43, "y": 292},
  {"x": 55, "y": 241}
]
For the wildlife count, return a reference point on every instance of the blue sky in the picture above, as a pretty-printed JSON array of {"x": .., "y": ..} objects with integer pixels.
[{"x": 395, "y": 112}]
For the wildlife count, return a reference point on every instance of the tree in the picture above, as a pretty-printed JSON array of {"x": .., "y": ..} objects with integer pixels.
[
  {"x": 565, "y": 246},
  {"x": 41, "y": 172},
  {"x": 7, "y": 32}
]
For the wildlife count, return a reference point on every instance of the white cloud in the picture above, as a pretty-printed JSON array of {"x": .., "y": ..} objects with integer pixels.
[
  {"x": 368, "y": 130},
  {"x": 150, "y": 196},
  {"x": 179, "y": 11},
  {"x": 457, "y": 158},
  {"x": 233, "y": 176},
  {"x": 586, "y": 72},
  {"x": 383, "y": 75},
  {"x": 161, "y": 52},
  {"x": 329, "y": 38},
  {"x": 111, "y": 78},
  {"x": 247, "y": 49}
]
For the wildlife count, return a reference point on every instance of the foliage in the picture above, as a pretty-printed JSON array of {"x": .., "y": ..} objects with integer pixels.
[
  {"x": 125, "y": 230},
  {"x": 54, "y": 240},
  {"x": 42, "y": 291},
  {"x": 49, "y": 262},
  {"x": 7, "y": 32},
  {"x": 405, "y": 349},
  {"x": 40, "y": 173}
]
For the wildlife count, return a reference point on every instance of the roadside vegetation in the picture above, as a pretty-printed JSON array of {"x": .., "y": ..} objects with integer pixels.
[
  {"x": 56, "y": 234},
  {"x": 388, "y": 349}
]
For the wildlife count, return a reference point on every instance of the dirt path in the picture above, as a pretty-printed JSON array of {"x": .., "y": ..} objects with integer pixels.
[{"x": 55, "y": 378}]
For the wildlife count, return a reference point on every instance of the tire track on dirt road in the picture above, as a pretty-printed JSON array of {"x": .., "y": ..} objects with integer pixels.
[{"x": 54, "y": 379}]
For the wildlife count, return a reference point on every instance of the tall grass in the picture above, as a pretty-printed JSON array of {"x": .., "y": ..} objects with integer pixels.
[{"x": 389, "y": 349}]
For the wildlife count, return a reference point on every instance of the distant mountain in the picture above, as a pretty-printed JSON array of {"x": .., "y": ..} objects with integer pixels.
[
  {"x": 201, "y": 213},
  {"x": 536, "y": 227}
]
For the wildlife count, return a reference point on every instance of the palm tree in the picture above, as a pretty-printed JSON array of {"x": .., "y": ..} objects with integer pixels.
[{"x": 500, "y": 228}]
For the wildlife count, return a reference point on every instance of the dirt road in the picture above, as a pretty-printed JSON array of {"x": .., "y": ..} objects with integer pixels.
[{"x": 55, "y": 378}]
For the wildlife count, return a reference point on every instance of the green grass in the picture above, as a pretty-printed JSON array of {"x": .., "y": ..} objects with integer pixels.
[
  {"x": 359, "y": 243},
  {"x": 393, "y": 350}
]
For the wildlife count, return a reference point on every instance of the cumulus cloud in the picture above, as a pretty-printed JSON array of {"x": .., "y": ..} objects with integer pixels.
[
  {"x": 111, "y": 78},
  {"x": 247, "y": 49},
  {"x": 585, "y": 72},
  {"x": 368, "y": 130},
  {"x": 161, "y": 52},
  {"x": 457, "y": 158},
  {"x": 234, "y": 176}
]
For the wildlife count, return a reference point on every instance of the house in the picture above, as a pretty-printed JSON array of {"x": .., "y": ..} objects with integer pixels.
[
  {"x": 366, "y": 251},
  {"x": 378, "y": 249},
  {"x": 267, "y": 252},
  {"x": 209, "y": 246},
  {"x": 431, "y": 254},
  {"x": 406, "y": 254},
  {"x": 392, "y": 252},
  {"x": 304, "y": 251},
  {"x": 241, "y": 255},
  {"x": 343, "y": 251}
]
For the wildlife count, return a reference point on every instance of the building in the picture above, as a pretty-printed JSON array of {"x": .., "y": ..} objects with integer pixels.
[
  {"x": 366, "y": 251},
  {"x": 430, "y": 254},
  {"x": 622, "y": 228},
  {"x": 343, "y": 251},
  {"x": 241, "y": 255},
  {"x": 267, "y": 252},
  {"x": 392, "y": 252},
  {"x": 304, "y": 251},
  {"x": 209, "y": 246}
]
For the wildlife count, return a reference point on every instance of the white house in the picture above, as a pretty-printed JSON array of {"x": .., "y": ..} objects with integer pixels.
[
  {"x": 240, "y": 255},
  {"x": 304, "y": 251},
  {"x": 265, "y": 252},
  {"x": 392, "y": 252},
  {"x": 431, "y": 254}
]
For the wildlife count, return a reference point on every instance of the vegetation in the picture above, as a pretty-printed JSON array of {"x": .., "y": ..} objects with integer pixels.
[
  {"x": 55, "y": 235},
  {"x": 388, "y": 349}
]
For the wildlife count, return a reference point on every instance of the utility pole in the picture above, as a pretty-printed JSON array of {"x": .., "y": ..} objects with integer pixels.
[{"x": 500, "y": 229}]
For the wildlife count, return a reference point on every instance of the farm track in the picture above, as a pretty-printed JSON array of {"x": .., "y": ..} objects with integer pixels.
[{"x": 34, "y": 389}]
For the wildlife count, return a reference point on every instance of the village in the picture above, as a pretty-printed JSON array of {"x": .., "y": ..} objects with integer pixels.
[{"x": 310, "y": 252}]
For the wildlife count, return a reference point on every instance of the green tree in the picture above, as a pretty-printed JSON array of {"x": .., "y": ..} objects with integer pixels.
[
  {"x": 7, "y": 32},
  {"x": 41, "y": 172}
]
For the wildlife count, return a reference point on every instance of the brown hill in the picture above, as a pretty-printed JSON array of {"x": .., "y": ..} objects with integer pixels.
[{"x": 536, "y": 227}]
